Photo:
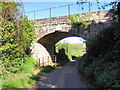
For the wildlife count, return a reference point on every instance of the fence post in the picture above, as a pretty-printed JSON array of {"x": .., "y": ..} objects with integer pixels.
[
  {"x": 22, "y": 60},
  {"x": 45, "y": 61},
  {"x": 39, "y": 61},
  {"x": 34, "y": 14},
  {"x": 89, "y": 5},
  {"x": 50, "y": 13},
  {"x": 68, "y": 10},
  {"x": 42, "y": 61},
  {"x": 115, "y": 4}
]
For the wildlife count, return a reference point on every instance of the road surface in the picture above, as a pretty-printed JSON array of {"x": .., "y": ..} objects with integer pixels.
[{"x": 62, "y": 77}]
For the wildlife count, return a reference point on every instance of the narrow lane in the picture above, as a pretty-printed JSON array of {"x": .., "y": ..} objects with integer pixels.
[{"x": 63, "y": 77}]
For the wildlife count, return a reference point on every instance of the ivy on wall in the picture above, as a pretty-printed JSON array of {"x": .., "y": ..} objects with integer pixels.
[{"x": 77, "y": 23}]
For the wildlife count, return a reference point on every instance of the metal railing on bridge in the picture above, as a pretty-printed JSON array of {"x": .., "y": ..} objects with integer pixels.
[{"x": 78, "y": 7}]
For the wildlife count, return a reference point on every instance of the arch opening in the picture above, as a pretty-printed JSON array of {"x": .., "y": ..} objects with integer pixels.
[
  {"x": 74, "y": 47},
  {"x": 45, "y": 46}
]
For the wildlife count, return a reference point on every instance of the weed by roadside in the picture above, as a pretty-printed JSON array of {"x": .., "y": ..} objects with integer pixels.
[
  {"x": 46, "y": 69},
  {"x": 23, "y": 78}
]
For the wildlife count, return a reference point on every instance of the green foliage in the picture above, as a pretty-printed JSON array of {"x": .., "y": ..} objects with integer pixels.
[
  {"x": 110, "y": 76},
  {"x": 17, "y": 81},
  {"x": 76, "y": 49},
  {"x": 26, "y": 34},
  {"x": 77, "y": 23},
  {"x": 102, "y": 42},
  {"x": 71, "y": 49},
  {"x": 28, "y": 64},
  {"x": 17, "y": 35},
  {"x": 10, "y": 9},
  {"x": 58, "y": 46},
  {"x": 101, "y": 62},
  {"x": 23, "y": 78},
  {"x": 46, "y": 69}
]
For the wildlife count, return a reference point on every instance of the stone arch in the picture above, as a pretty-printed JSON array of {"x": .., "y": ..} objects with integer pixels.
[
  {"x": 45, "y": 46},
  {"x": 49, "y": 40}
]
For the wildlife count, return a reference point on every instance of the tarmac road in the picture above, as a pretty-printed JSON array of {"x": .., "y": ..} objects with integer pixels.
[{"x": 62, "y": 77}]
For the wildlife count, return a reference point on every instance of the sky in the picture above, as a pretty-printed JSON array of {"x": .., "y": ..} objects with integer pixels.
[
  {"x": 72, "y": 40},
  {"x": 59, "y": 0},
  {"x": 31, "y": 5}
]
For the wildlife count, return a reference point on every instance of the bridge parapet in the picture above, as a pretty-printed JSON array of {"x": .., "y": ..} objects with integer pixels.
[
  {"x": 48, "y": 25},
  {"x": 98, "y": 15}
]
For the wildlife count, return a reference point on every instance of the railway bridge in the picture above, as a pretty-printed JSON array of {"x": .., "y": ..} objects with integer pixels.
[{"x": 50, "y": 30}]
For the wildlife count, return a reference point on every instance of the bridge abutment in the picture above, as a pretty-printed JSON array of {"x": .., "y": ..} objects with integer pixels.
[{"x": 40, "y": 52}]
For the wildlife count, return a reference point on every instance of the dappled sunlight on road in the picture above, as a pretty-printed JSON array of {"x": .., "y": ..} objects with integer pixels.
[{"x": 64, "y": 77}]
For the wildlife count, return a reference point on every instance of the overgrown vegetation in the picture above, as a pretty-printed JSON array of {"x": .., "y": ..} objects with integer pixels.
[
  {"x": 17, "y": 34},
  {"x": 76, "y": 22},
  {"x": 22, "y": 79},
  {"x": 102, "y": 60},
  {"x": 76, "y": 50}
]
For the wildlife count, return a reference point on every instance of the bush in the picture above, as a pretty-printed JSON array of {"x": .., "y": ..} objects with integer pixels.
[
  {"x": 28, "y": 64},
  {"x": 82, "y": 63},
  {"x": 71, "y": 49},
  {"x": 17, "y": 35},
  {"x": 110, "y": 76},
  {"x": 102, "y": 60}
]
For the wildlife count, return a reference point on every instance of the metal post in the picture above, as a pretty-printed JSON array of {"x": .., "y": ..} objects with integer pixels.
[
  {"x": 68, "y": 10},
  {"x": 50, "y": 13},
  {"x": 34, "y": 14},
  {"x": 43, "y": 61},
  {"x": 89, "y": 5},
  {"x": 115, "y": 4},
  {"x": 22, "y": 60},
  {"x": 55, "y": 60}
]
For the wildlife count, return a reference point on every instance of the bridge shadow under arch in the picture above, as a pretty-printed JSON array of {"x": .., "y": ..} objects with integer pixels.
[{"x": 49, "y": 40}]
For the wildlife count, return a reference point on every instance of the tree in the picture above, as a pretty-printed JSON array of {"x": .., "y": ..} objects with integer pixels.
[
  {"x": 17, "y": 35},
  {"x": 58, "y": 46}
]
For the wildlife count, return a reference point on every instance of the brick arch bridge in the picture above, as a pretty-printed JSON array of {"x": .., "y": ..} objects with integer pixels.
[{"x": 51, "y": 30}]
